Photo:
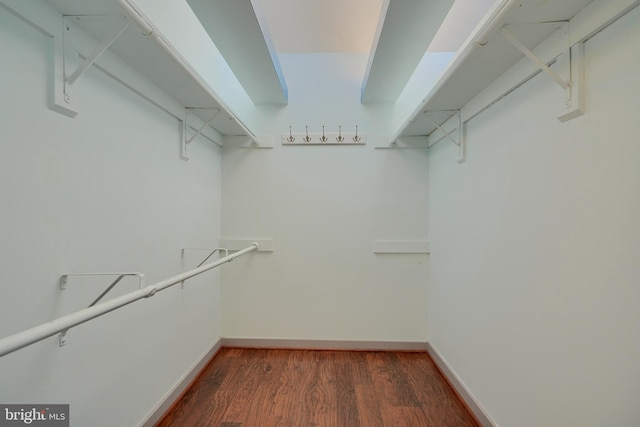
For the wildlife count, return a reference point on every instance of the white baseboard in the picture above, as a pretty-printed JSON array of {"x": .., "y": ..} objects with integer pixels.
[
  {"x": 325, "y": 344},
  {"x": 176, "y": 391},
  {"x": 472, "y": 403}
]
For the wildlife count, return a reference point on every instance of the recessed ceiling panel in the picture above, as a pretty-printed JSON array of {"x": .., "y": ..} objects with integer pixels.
[{"x": 322, "y": 26}]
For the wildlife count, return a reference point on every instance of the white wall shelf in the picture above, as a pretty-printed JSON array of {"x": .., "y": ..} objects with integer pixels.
[
  {"x": 86, "y": 34},
  {"x": 516, "y": 40}
]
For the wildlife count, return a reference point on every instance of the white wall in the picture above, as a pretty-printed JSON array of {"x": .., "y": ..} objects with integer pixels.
[
  {"x": 533, "y": 289},
  {"x": 105, "y": 191},
  {"x": 324, "y": 206}
]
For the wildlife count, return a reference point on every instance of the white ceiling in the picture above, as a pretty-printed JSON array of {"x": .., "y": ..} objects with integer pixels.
[
  {"x": 313, "y": 26},
  {"x": 349, "y": 26},
  {"x": 395, "y": 34}
]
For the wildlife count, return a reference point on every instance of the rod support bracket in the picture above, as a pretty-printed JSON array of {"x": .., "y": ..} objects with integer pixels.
[
  {"x": 62, "y": 338},
  {"x": 64, "y": 280},
  {"x": 211, "y": 251}
]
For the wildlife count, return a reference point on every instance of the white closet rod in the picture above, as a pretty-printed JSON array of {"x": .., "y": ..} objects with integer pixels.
[{"x": 62, "y": 324}]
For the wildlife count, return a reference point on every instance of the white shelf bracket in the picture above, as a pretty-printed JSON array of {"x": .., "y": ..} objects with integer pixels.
[
  {"x": 186, "y": 138},
  {"x": 533, "y": 57},
  {"x": 459, "y": 130},
  {"x": 575, "y": 94},
  {"x": 574, "y": 105},
  {"x": 90, "y": 59}
]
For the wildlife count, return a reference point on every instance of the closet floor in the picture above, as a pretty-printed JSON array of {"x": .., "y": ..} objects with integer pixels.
[{"x": 295, "y": 388}]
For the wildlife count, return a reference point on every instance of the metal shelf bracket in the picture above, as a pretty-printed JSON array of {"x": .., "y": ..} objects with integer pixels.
[
  {"x": 456, "y": 135},
  {"x": 574, "y": 87},
  {"x": 186, "y": 138},
  {"x": 65, "y": 57},
  {"x": 63, "y": 285},
  {"x": 90, "y": 59},
  {"x": 533, "y": 57}
]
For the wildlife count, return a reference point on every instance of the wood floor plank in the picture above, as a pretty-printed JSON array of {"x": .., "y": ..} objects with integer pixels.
[
  {"x": 199, "y": 395},
  {"x": 368, "y": 406},
  {"x": 440, "y": 401},
  {"x": 318, "y": 397},
  {"x": 347, "y": 402},
  {"x": 260, "y": 407},
  {"x": 360, "y": 368},
  {"x": 255, "y": 372},
  {"x": 404, "y": 416},
  {"x": 288, "y": 398},
  {"x": 225, "y": 396},
  {"x": 390, "y": 380},
  {"x": 294, "y": 388}
]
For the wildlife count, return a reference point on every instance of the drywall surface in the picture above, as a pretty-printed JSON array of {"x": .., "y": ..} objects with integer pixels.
[
  {"x": 103, "y": 192},
  {"x": 324, "y": 206},
  {"x": 535, "y": 249}
]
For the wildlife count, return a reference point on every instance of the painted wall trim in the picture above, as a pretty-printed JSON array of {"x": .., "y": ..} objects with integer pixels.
[
  {"x": 265, "y": 245},
  {"x": 401, "y": 247},
  {"x": 324, "y": 344},
  {"x": 181, "y": 387},
  {"x": 465, "y": 394}
]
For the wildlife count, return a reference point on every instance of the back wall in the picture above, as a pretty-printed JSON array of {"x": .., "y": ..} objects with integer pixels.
[{"x": 324, "y": 206}]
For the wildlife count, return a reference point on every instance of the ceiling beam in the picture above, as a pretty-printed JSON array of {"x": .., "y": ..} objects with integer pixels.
[
  {"x": 402, "y": 38},
  {"x": 239, "y": 31}
]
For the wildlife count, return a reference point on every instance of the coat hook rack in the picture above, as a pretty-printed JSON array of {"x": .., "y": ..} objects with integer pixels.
[
  {"x": 307, "y": 138},
  {"x": 291, "y": 137},
  {"x": 323, "y": 138},
  {"x": 357, "y": 138}
]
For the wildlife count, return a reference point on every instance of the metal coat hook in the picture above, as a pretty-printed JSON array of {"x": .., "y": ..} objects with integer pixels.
[
  {"x": 324, "y": 138},
  {"x": 291, "y": 137},
  {"x": 356, "y": 138},
  {"x": 340, "y": 138},
  {"x": 306, "y": 138}
]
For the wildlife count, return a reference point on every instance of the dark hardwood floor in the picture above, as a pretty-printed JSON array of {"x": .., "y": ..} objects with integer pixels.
[{"x": 305, "y": 388}]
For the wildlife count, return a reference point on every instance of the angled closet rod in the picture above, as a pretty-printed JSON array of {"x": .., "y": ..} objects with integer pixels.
[
  {"x": 150, "y": 31},
  {"x": 62, "y": 324}
]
